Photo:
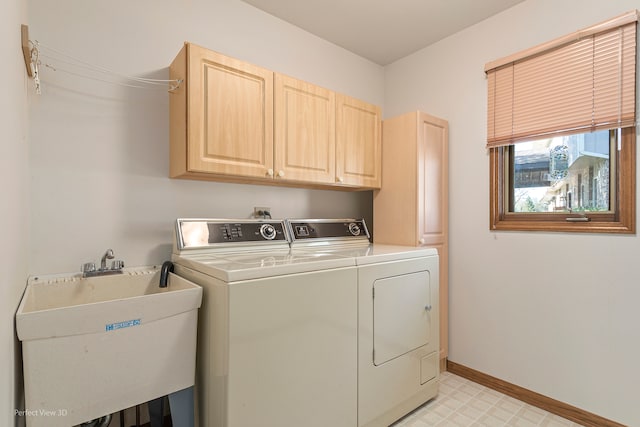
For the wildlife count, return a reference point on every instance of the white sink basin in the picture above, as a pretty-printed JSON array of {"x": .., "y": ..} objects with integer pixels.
[
  {"x": 93, "y": 346},
  {"x": 57, "y": 306}
]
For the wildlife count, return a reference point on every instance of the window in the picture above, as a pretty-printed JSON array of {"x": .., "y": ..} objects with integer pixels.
[
  {"x": 540, "y": 185},
  {"x": 561, "y": 133}
]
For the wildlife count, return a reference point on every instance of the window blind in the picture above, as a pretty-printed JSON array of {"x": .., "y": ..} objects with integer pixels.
[{"x": 579, "y": 83}]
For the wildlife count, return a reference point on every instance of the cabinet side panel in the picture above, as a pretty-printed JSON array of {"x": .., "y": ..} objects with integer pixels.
[
  {"x": 394, "y": 205},
  {"x": 443, "y": 254},
  {"x": 178, "y": 115}
]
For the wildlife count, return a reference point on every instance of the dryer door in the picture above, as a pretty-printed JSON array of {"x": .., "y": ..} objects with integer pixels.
[{"x": 401, "y": 315}]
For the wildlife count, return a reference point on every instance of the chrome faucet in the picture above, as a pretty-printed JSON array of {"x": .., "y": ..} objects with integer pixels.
[
  {"x": 89, "y": 269},
  {"x": 103, "y": 261}
]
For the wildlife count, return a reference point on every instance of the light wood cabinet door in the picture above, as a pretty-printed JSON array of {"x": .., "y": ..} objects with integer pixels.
[
  {"x": 304, "y": 131},
  {"x": 411, "y": 208},
  {"x": 358, "y": 143},
  {"x": 433, "y": 194},
  {"x": 229, "y": 115}
]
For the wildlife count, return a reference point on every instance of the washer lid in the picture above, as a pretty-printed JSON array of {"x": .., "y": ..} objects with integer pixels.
[
  {"x": 237, "y": 266},
  {"x": 383, "y": 253},
  {"x": 372, "y": 253}
]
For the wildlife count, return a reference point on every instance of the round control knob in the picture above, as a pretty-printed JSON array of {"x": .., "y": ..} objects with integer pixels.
[
  {"x": 280, "y": 174},
  {"x": 354, "y": 229},
  {"x": 270, "y": 172},
  {"x": 268, "y": 231}
]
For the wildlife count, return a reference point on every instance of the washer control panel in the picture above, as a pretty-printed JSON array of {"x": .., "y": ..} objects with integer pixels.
[
  {"x": 199, "y": 233},
  {"x": 328, "y": 229},
  {"x": 245, "y": 232}
]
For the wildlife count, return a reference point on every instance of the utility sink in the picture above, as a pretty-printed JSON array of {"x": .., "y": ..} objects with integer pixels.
[{"x": 93, "y": 346}]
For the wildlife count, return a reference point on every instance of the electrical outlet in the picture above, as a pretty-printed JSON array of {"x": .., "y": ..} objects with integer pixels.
[{"x": 262, "y": 212}]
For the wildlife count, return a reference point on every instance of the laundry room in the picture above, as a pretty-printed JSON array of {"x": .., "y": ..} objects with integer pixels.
[{"x": 88, "y": 164}]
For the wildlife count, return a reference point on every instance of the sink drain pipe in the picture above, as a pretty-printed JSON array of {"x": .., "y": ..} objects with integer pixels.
[{"x": 98, "y": 422}]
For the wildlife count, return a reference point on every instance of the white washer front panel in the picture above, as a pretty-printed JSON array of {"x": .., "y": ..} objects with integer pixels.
[
  {"x": 292, "y": 356},
  {"x": 278, "y": 351}
]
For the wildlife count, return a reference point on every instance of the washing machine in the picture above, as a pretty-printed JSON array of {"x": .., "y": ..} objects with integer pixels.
[
  {"x": 278, "y": 331},
  {"x": 398, "y": 332}
]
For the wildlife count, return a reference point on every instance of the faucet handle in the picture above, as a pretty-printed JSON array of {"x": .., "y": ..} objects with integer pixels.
[
  {"x": 117, "y": 264},
  {"x": 88, "y": 267}
]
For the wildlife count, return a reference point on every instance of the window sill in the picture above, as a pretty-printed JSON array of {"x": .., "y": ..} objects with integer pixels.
[{"x": 571, "y": 227}]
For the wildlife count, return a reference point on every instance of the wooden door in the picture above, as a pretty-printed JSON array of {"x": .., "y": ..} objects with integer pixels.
[
  {"x": 304, "y": 131},
  {"x": 229, "y": 116},
  {"x": 433, "y": 194},
  {"x": 358, "y": 144},
  {"x": 433, "y": 205}
]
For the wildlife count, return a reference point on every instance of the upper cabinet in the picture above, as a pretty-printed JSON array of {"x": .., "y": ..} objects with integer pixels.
[
  {"x": 358, "y": 143},
  {"x": 234, "y": 121},
  {"x": 305, "y": 131},
  {"x": 221, "y": 116}
]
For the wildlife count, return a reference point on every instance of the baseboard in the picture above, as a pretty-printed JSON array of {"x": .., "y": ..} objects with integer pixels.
[{"x": 564, "y": 410}]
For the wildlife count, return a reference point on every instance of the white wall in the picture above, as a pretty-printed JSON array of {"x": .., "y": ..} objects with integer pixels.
[
  {"x": 14, "y": 181},
  {"x": 99, "y": 157},
  {"x": 556, "y": 313}
]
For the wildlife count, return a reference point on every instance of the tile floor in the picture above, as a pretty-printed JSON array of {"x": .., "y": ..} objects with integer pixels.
[{"x": 463, "y": 403}]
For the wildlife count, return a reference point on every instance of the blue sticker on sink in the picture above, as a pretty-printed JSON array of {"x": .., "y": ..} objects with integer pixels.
[{"x": 120, "y": 325}]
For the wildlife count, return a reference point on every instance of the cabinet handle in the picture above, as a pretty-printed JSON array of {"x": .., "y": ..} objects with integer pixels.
[
  {"x": 270, "y": 172},
  {"x": 421, "y": 241},
  {"x": 428, "y": 307},
  {"x": 280, "y": 174},
  {"x": 340, "y": 179}
]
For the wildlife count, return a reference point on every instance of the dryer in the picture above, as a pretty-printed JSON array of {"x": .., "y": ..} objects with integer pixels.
[
  {"x": 398, "y": 332},
  {"x": 277, "y": 335}
]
